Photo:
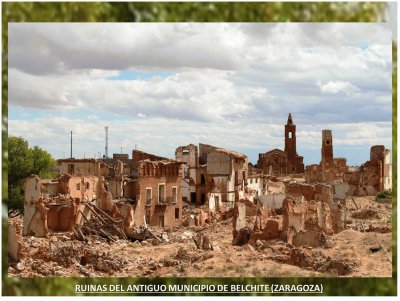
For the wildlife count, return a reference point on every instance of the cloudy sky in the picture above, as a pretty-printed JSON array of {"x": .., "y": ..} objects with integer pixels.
[{"x": 162, "y": 85}]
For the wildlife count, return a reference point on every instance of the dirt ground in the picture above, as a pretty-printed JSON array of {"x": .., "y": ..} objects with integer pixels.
[{"x": 364, "y": 249}]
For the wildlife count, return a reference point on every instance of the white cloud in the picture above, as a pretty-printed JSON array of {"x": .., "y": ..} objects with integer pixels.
[
  {"x": 335, "y": 87},
  {"x": 230, "y": 84}
]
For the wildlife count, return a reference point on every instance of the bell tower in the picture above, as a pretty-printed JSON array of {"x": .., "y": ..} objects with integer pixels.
[
  {"x": 327, "y": 148},
  {"x": 290, "y": 140}
]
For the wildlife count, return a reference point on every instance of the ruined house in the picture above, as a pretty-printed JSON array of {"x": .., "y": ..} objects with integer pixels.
[
  {"x": 143, "y": 192},
  {"x": 257, "y": 182},
  {"x": 58, "y": 204},
  {"x": 277, "y": 162},
  {"x": 325, "y": 212},
  {"x": 212, "y": 176},
  {"x": 226, "y": 175},
  {"x": 194, "y": 188},
  {"x": 160, "y": 194},
  {"x": 83, "y": 167},
  {"x": 373, "y": 176},
  {"x": 330, "y": 169}
]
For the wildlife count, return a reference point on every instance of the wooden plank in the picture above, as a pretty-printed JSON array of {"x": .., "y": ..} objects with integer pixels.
[
  {"x": 83, "y": 216},
  {"x": 354, "y": 201},
  {"x": 98, "y": 215},
  {"x": 120, "y": 231},
  {"x": 105, "y": 213},
  {"x": 92, "y": 231},
  {"x": 76, "y": 234},
  {"x": 153, "y": 235},
  {"x": 107, "y": 235},
  {"x": 81, "y": 233}
]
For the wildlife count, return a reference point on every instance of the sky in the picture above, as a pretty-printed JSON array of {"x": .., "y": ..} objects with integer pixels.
[{"x": 158, "y": 86}]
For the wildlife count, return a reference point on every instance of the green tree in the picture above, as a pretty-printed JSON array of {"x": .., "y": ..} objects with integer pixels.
[
  {"x": 43, "y": 163},
  {"x": 22, "y": 162}
]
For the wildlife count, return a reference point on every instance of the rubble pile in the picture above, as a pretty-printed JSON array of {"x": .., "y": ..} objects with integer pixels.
[
  {"x": 100, "y": 224},
  {"x": 367, "y": 213},
  {"x": 102, "y": 261},
  {"x": 315, "y": 260}
]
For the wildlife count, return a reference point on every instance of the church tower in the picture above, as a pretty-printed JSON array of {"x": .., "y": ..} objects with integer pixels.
[
  {"x": 327, "y": 164},
  {"x": 290, "y": 140},
  {"x": 327, "y": 148}
]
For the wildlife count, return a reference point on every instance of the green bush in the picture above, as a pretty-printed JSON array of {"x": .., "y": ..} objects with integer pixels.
[{"x": 384, "y": 194}]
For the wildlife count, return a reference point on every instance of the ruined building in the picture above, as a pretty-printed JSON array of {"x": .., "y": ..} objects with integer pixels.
[
  {"x": 257, "y": 182},
  {"x": 142, "y": 192},
  {"x": 330, "y": 169},
  {"x": 226, "y": 175},
  {"x": 194, "y": 175},
  {"x": 160, "y": 197},
  {"x": 277, "y": 162},
  {"x": 373, "y": 176},
  {"x": 213, "y": 176},
  {"x": 59, "y": 204}
]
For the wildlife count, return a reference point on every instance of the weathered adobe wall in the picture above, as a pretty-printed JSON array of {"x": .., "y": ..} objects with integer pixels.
[
  {"x": 138, "y": 155},
  {"x": 171, "y": 178},
  {"x": 50, "y": 215},
  {"x": 15, "y": 245},
  {"x": 32, "y": 194},
  {"x": 85, "y": 168},
  {"x": 313, "y": 173},
  {"x": 188, "y": 154},
  {"x": 310, "y": 192},
  {"x": 294, "y": 214},
  {"x": 218, "y": 163},
  {"x": 204, "y": 150}
]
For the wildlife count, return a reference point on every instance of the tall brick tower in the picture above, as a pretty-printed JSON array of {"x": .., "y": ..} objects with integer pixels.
[
  {"x": 326, "y": 155},
  {"x": 290, "y": 143},
  {"x": 327, "y": 147}
]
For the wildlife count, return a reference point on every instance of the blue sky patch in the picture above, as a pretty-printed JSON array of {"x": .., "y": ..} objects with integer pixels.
[{"x": 140, "y": 75}]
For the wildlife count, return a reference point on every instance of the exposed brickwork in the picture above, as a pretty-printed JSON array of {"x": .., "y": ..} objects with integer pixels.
[
  {"x": 277, "y": 162},
  {"x": 159, "y": 180}
]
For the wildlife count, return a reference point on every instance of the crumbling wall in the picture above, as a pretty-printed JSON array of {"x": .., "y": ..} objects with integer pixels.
[
  {"x": 218, "y": 163},
  {"x": 273, "y": 162},
  {"x": 138, "y": 155},
  {"x": 31, "y": 197},
  {"x": 204, "y": 150},
  {"x": 341, "y": 191},
  {"x": 188, "y": 154},
  {"x": 330, "y": 169},
  {"x": 58, "y": 210},
  {"x": 164, "y": 212},
  {"x": 313, "y": 173},
  {"x": 83, "y": 167},
  {"x": 15, "y": 247},
  {"x": 241, "y": 233},
  {"x": 294, "y": 211},
  {"x": 340, "y": 167},
  {"x": 371, "y": 177},
  {"x": 121, "y": 156}
]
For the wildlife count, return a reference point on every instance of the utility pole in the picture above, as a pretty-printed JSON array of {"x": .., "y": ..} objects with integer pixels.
[
  {"x": 106, "y": 153},
  {"x": 71, "y": 144}
]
